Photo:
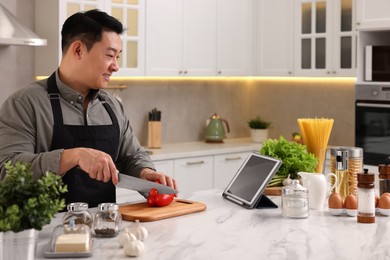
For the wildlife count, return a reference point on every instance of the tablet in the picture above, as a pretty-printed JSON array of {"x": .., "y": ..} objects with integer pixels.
[{"x": 248, "y": 184}]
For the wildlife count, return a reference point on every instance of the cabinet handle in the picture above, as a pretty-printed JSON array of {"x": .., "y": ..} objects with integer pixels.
[
  {"x": 219, "y": 72},
  {"x": 185, "y": 72},
  {"x": 334, "y": 72},
  {"x": 195, "y": 163},
  {"x": 180, "y": 72},
  {"x": 233, "y": 158}
]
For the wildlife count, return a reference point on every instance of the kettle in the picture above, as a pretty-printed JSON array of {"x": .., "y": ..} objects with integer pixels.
[{"x": 215, "y": 131}]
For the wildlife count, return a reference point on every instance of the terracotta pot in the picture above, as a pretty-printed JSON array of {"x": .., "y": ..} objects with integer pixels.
[{"x": 259, "y": 135}]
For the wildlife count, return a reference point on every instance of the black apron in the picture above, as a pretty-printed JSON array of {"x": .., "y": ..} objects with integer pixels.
[{"x": 81, "y": 188}]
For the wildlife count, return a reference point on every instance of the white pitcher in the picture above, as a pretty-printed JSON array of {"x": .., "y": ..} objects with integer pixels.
[{"x": 316, "y": 183}]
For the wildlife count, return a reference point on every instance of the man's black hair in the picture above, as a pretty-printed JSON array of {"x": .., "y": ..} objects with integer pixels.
[{"x": 88, "y": 27}]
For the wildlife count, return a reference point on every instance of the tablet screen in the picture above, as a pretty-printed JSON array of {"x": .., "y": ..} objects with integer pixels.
[{"x": 252, "y": 178}]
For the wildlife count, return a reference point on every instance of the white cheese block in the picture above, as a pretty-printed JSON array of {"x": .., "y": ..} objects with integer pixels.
[{"x": 72, "y": 243}]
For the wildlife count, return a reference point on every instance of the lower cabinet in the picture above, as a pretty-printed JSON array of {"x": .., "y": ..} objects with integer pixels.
[
  {"x": 225, "y": 167},
  {"x": 202, "y": 172}
]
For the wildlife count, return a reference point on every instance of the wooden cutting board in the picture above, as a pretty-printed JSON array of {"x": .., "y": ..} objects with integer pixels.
[
  {"x": 145, "y": 213},
  {"x": 273, "y": 191}
]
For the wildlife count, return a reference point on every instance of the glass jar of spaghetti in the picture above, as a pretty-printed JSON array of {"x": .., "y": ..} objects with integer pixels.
[{"x": 355, "y": 165}]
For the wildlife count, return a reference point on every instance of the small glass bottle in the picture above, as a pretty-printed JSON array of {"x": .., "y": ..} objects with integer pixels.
[
  {"x": 79, "y": 212},
  {"x": 384, "y": 178},
  {"x": 366, "y": 197},
  {"x": 341, "y": 171},
  {"x": 107, "y": 220},
  {"x": 295, "y": 200}
]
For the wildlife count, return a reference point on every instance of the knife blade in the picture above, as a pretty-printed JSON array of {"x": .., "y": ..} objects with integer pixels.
[{"x": 142, "y": 186}]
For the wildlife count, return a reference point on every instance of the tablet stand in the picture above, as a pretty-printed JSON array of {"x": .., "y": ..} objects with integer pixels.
[{"x": 265, "y": 202}]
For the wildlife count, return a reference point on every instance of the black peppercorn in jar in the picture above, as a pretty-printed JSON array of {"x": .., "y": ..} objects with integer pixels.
[
  {"x": 107, "y": 220},
  {"x": 79, "y": 212}
]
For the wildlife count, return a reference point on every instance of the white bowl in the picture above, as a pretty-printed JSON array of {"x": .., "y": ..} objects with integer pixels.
[
  {"x": 384, "y": 212},
  {"x": 351, "y": 212},
  {"x": 336, "y": 212}
]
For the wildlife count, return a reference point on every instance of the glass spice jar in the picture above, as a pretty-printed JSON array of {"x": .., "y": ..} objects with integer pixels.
[
  {"x": 107, "y": 220},
  {"x": 79, "y": 212},
  {"x": 295, "y": 200}
]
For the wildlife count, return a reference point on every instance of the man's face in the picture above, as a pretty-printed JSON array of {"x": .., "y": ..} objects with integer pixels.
[{"x": 101, "y": 61}]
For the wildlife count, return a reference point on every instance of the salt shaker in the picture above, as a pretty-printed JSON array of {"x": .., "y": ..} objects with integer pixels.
[
  {"x": 295, "y": 200},
  {"x": 107, "y": 220},
  {"x": 366, "y": 197},
  {"x": 79, "y": 212}
]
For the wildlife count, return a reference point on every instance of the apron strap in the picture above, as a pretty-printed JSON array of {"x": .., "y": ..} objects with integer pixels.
[{"x": 54, "y": 96}]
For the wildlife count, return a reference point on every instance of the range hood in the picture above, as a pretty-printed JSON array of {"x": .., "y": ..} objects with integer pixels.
[{"x": 12, "y": 32}]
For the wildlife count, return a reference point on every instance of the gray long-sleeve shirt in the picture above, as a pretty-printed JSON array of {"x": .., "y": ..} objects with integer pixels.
[{"x": 26, "y": 128}]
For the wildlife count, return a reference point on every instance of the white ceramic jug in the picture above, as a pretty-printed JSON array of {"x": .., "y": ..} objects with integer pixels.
[{"x": 316, "y": 183}]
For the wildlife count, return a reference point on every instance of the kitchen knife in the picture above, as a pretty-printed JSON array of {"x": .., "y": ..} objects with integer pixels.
[{"x": 142, "y": 186}]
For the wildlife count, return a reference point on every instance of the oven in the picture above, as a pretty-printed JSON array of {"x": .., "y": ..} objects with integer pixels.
[{"x": 372, "y": 122}]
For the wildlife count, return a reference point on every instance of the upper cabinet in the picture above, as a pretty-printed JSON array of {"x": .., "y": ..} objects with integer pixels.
[
  {"x": 198, "y": 37},
  {"x": 325, "y": 43},
  {"x": 130, "y": 12},
  {"x": 373, "y": 14},
  {"x": 234, "y": 37},
  {"x": 180, "y": 37},
  {"x": 274, "y": 30}
]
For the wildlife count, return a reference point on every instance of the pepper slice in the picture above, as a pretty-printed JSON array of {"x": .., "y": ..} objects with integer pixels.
[{"x": 159, "y": 200}]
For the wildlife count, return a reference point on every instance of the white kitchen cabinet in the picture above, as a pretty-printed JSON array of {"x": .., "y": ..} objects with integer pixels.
[
  {"x": 165, "y": 166},
  {"x": 234, "y": 37},
  {"x": 274, "y": 48},
  {"x": 180, "y": 37},
  {"x": 194, "y": 174},
  {"x": 325, "y": 42},
  {"x": 225, "y": 167},
  {"x": 372, "y": 14},
  {"x": 51, "y": 14}
]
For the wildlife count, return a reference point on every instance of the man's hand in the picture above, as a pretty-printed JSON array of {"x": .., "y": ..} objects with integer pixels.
[
  {"x": 150, "y": 175},
  {"x": 97, "y": 164}
]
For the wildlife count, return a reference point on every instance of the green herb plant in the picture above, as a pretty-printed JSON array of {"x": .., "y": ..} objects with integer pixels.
[
  {"x": 26, "y": 203},
  {"x": 294, "y": 156},
  {"x": 258, "y": 123}
]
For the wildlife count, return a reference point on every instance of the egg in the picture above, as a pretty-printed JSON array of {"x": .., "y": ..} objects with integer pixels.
[
  {"x": 351, "y": 202},
  {"x": 384, "y": 201},
  {"x": 335, "y": 201}
]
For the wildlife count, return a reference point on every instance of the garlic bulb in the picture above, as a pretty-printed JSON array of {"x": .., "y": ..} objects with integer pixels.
[
  {"x": 123, "y": 238},
  {"x": 133, "y": 247},
  {"x": 140, "y": 232}
]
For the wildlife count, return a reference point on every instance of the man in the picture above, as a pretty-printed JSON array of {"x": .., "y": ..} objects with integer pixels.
[{"x": 68, "y": 125}]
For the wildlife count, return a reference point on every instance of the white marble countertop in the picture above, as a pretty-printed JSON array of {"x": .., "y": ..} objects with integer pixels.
[
  {"x": 191, "y": 149},
  {"x": 227, "y": 231}
]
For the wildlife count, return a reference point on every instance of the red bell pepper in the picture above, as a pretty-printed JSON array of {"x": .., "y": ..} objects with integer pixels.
[{"x": 156, "y": 199}]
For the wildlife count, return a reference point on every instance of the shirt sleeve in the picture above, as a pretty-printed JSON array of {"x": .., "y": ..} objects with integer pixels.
[
  {"x": 18, "y": 136},
  {"x": 132, "y": 157}
]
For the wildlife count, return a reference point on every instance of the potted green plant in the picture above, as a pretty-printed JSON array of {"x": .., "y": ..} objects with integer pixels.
[
  {"x": 26, "y": 205},
  {"x": 259, "y": 129}
]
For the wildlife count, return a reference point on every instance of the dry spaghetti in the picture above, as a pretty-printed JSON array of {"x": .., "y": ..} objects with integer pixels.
[{"x": 315, "y": 133}]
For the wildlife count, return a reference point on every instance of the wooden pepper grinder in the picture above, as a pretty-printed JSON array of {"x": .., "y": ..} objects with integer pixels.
[{"x": 366, "y": 197}]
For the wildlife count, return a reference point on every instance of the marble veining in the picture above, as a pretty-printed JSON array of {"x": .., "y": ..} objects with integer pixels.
[{"x": 227, "y": 231}]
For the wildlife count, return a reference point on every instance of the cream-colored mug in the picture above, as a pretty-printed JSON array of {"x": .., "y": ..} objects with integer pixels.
[{"x": 317, "y": 184}]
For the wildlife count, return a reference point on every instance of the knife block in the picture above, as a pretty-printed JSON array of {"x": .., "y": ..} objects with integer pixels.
[{"x": 154, "y": 134}]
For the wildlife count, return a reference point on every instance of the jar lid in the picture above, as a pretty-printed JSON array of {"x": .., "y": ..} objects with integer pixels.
[
  {"x": 352, "y": 151},
  {"x": 77, "y": 206},
  {"x": 294, "y": 188},
  {"x": 108, "y": 206}
]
